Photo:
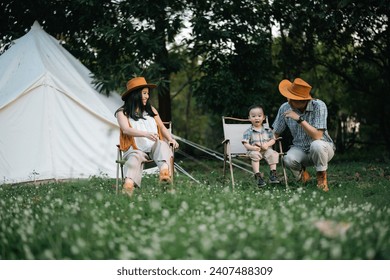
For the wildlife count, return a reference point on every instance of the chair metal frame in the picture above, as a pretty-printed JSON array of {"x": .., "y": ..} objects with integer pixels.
[
  {"x": 233, "y": 147},
  {"x": 120, "y": 162}
]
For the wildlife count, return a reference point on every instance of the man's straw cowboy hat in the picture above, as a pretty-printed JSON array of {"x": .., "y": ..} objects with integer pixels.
[{"x": 297, "y": 90}]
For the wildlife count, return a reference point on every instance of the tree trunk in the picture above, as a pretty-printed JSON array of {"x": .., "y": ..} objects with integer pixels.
[
  {"x": 164, "y": 102},
  {"x": 162, "y": 59}
]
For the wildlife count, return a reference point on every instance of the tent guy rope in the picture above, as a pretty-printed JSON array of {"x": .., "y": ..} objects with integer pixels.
[{"x": 210, "y": 152}]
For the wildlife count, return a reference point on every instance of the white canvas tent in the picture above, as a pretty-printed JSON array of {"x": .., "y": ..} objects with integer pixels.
[{"x": 53, "y": 123}]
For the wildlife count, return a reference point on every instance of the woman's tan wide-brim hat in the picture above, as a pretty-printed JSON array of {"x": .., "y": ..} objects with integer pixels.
[
  {"x": 136, "y": 83},
  {"x": 297, "y": 90}
]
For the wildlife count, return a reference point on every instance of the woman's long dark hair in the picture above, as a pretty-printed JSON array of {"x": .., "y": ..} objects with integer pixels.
[{"x": 134, "y": 107}]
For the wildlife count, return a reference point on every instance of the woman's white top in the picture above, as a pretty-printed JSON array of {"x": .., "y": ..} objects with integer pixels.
[{"x": 148, "y": 124}]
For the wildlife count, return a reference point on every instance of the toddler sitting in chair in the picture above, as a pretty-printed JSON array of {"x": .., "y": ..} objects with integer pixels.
[{"x": 258, "y": 140}]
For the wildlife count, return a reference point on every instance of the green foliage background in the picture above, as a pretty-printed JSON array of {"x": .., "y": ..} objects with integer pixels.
[{"x": 235, "y": 54}]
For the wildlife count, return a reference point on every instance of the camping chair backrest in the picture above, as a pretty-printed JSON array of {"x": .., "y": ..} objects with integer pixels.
[
  {"x": 234, "y": 132},
  {"x": 233, "y": 129}
]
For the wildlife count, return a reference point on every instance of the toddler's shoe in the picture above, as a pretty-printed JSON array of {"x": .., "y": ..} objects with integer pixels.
[
  {"x": 260, "y": 180},
  {"x": 273, "y": 177}
]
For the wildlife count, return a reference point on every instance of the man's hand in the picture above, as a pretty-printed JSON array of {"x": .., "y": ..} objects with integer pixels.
[{"x": 291, "y": 114}]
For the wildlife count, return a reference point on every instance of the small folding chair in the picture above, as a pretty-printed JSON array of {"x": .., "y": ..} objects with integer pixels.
[
  {"x": 120, "y": 162},
  {"x": 233, "y": 129}
]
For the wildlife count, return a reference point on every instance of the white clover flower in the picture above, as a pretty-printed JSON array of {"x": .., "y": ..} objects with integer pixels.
[
  {"x": 251, "y": 228},
  {"x": 229, "y": 227},
  {"x": 307, "y": 245},
  {"x": 99, "y": 196},
  {"x": 125, "y": 253},
  {"x": 206, "y": 243},
  {"x": 155, "y": 205},
  {"x": 221, "y": 237},
  {"x": 27, "y": 252},
  {"x": 221, "y": 254},
  {"x": 76, "y": 227},
  {"x": 243, "y": 235},
  {"x": 48, "y": 254},
  {"x": 336, "y": 251},
  {"x": 74, "y": 249},
  {"x": 46, "y": 210},
  {"x": 183, "y": 230},
  {"x": 165, "y": 213},
  {"x": 184, "y": 205},
  {"x": 202, "y": 228},
  {"x": 370, "y": 253},
  {"x": 64, "y": 234}
]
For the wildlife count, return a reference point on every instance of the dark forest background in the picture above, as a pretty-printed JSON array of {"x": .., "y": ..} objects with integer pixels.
[{"x": 217, "y": 57}]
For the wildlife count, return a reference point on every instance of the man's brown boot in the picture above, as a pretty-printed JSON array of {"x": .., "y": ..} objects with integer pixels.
[
  {"x": 304, "y": 176},
  {"x": 322, "y": 182}
]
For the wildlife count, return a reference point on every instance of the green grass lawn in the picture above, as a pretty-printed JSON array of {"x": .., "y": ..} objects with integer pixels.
[{"x": 86, "y": 220}]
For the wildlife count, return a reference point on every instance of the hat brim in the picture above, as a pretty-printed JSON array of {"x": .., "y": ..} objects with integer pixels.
[
  {"x": 283, "y": 88},
  {"x": 126, "y": 93}
]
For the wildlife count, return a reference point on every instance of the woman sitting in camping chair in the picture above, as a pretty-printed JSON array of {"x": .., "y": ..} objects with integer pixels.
[{"x": 141, "y": 135}]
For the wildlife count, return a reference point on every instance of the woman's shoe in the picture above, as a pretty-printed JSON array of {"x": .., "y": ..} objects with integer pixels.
[
  {"x": 128, "y": 188},
  {"x": 165, "y": 177}
]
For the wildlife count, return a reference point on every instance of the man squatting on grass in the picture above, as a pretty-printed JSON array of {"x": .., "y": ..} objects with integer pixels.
[{"x": 307, "y": 120}]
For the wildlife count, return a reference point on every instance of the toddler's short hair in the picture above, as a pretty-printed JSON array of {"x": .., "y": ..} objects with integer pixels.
[{"x": 256, "y": 106}]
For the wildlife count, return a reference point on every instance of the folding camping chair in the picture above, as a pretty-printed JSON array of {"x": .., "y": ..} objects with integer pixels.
[
  {"x": 233, "y": 129},
  {"x": 120, "y": 162}
]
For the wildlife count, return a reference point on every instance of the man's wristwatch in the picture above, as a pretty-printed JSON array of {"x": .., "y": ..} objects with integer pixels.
[{"x": 300, "y": 119}]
